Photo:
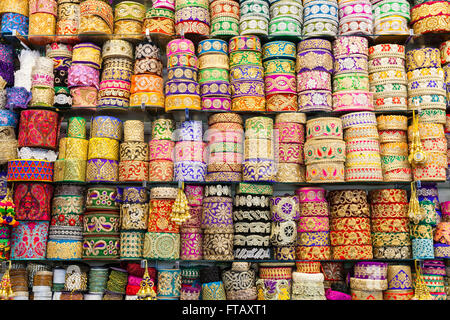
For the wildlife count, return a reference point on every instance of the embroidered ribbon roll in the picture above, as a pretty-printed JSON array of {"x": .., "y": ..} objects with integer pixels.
[
  {"x": 101, "y": 198},
  {"x": 161, "y": 245},
  {"x": 103, "y": 148},
  {"x": 102, "y": 170},
  {"x": 30, "y": 170},
  {"x": 28, "y": 240},
  {"x": 218, "y": 246},
  {"x": 101, "y": 247},
  {"x": 106, "y": 127},
  {"x": 64, "y": 249},
  {"x": 191, "y": 245},
  {"x": 352, "y": 252},
  {"x": 39, "y": 128},
  {"x": 161, "y": 170},
  {"x": 32, "y": 201},
  {"x": 131, "y": 244},
  {"x": 133, "y": 170}
]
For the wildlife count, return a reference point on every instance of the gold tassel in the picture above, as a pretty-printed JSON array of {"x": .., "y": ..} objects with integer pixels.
[
  {"x": 416, "y": 213},
  {"x": 146, "y": 291},
  {"x": 421, "y": 291},
  {"x": 417, "y": 155},
  {"x": 180, "y": 208},
  {"x": 6, "y": 292}
]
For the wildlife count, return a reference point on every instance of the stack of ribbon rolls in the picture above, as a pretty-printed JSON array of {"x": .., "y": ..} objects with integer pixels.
[
  {"x": 190, "y": 286},
  {"x": 146, "y": 83},
  {"x": 213, "y": 75},
  {"x": 224, "y": 18},
  {"x": 42, "y": 84},
  {"x": 37, "y": 140},
  {"x": 116, "y": 285},
  {"x": 128, "y": 20},
  {"x": 169, "y": 284},
  {"x": 246, "y": 74},
  {"x": 369, "y": 280},
  {"x": 393, "y": 148},
  {"x": 133, "y": 165},
  {"x": 96, "y": 19},
  {"x": 433, "y": 272},
  {"x": 182, "y": 92},
  {"x": 447, "y": 138},
  {"x": 162, "y": 241},
  {"x": 442, "y": 239},
  {"x": 116, "y": 85},
  {"x": 101, "y": 224},
  {"x": 363, "y": 160},
  {"x": 387, "y": 77},
  {"x": 65, "y": 239},
  {"x": 225, "y": 147},
  {"x": 279, "y": 76},
  {"x": 192, "y": 17},
  {"x": 320, "y": 18},
  {"x": 307, "y": 286},
  {"x": 19, "y": 282},
  {"x": 161, "y": 148},
  {"x": 33, "y": 211},
  {"x": 191, "y": 232},
  {"x": 42, "y": 285},
  {"x": 275, "y": 280},
  {"x": 59, "y": 279},
  {"x": 286, "y": 19},
  {"x": 212, "y": 285},
  {"x": 260, "y": 162},
  {"x": 390, "y": 224},
  {"x": 5, "y": 242},
  {"x": 160, "y": 19},
  {"x": 313, "y": 242},
  {"x": 98, "y": 277},
  {"x": 14, "y": 17},
  {"x": 62, "y": 58},
  {"x": 426, "y": 85},
  {"x": 351, "y": 79},
  {"x": 291, "y": 139},
  {"x": 42, "y": 25},
  {"x": 422, "y": 232},
  {"x": 84, "y": 75},
  {"x": 217, "y": 223},
  {"x": 190, "y": 158},
  {"x": 324, "y": 150},
  {"x": 285, "y": 212},
  {"x": 391, "y": 18},
  {"x": 251, "y": 216},
  {"x": 254, "y": 19},
  {"x": 350, "y": 225},
  {"x": 355, "y": 17},
  {"x": 134, "y": 221},
  {"x": 314, "y": 67},
  {"x": 68, "y": 21},
  {"x": 431, "y": 17},
  {"x": 399, "y": 283},
  {"x": 239, "y": 281},
  {"x": 432, "y": 138},
  {"x": 445, "y": 61},
  {"x": 103, "y": 155},
  {"x": 73, "y": 153}
]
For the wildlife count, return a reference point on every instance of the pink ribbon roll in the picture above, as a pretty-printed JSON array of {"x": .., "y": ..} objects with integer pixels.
[
  {"x": 313, "y": 80},
  {"x": 225, "y": 157},
  {"x": 194, "y": 194},
  {"x": 191, "y": 246},
  {"x": 313, "y": 224},
  {"x": 83, "y": 76},
  {"x": 290, "y": 152},
  {"x": 195, "y": 221},
  {"x": 190, "y": 151},
  {"x": 134, "y": 281},
  {"x": 42, "y": 80},
  {"x": 224, "y": 136},
  {"x": 290, "y": 132},
  {"x": 353, "y": 101},
  {"x": 280, "y": 83},
  {"x": 161, "y": 149},
  {"x": 308, "y": 194}
]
